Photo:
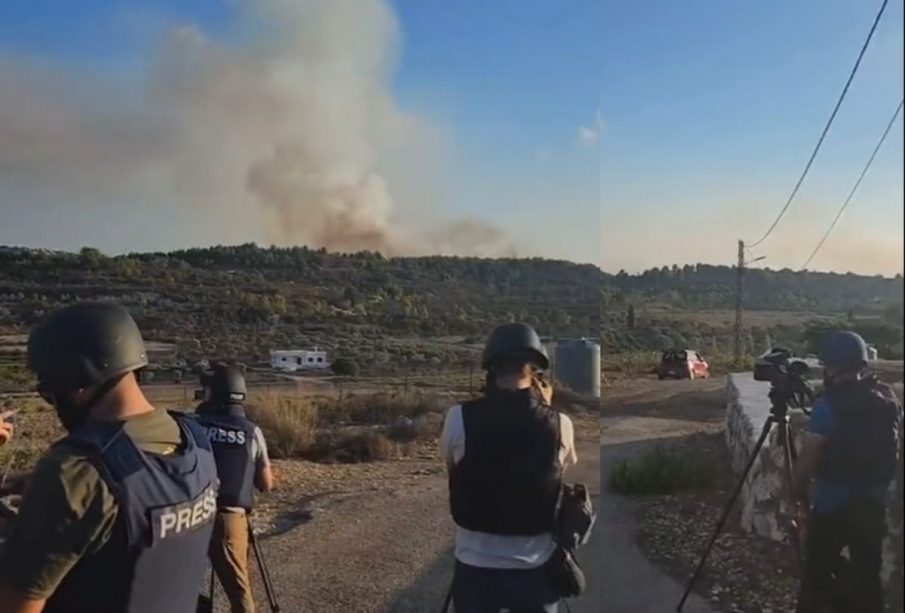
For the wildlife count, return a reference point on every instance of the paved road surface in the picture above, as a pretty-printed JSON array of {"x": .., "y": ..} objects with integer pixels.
[
  {"x": 630, "y": 582},
  {"x": 389, "y": 550}
]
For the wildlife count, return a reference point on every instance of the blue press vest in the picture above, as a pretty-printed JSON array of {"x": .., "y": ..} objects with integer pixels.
[
  {"x": 156, "y": 557},
  {"x": 231, "y": 438},
  {"x": 862, "y": 451}
]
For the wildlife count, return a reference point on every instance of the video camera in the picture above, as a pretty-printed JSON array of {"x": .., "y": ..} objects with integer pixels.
[{"x": 788, "y": 377}]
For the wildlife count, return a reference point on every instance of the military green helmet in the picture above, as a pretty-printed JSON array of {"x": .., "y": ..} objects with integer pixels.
[
  {"x": 515, "y": 340},
  {"x": 84, "y": 345}
]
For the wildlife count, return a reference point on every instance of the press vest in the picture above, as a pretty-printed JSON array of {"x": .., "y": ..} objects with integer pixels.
[
  {"x": 509, "y": 480},
  {"x": 231, "y": 437},
  {"x": 156, "y": 557},
  {"x": 862, "y": 450}
]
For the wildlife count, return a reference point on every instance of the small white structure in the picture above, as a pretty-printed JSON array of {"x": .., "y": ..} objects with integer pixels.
[
  {"x": 871, "y": 353},
  {"x": 298, "y": 359}
]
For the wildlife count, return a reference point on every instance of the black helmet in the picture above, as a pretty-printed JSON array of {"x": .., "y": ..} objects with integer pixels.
[
  {"x": 514, "y": 340},
  {"x": 85, "y": 345},
  {"x": 226, "y": 383}
]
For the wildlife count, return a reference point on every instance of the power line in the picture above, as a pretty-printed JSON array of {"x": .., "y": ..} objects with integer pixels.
[
  {"x": 855, "y": 187},
  {"x": 826, "y": 128}
]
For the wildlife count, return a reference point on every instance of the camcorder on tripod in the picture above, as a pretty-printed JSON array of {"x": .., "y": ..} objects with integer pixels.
[{"x": 789, "y": 387}]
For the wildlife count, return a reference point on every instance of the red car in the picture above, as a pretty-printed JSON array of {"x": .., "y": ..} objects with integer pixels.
[{"x": 683, "y": 364}]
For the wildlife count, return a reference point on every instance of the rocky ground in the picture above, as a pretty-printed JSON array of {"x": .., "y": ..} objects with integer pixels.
[{"x": 744, "y": 573}]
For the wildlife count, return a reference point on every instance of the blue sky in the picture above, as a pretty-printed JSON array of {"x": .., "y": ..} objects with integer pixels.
[
  {"x": 509, "y": 91},
  {"x": 712, "y": 109}
]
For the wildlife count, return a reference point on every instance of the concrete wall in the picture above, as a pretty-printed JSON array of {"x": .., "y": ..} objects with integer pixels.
[{"x": 764, "y": 500}]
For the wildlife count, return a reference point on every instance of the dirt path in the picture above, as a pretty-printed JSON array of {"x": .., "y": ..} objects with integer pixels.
[
  {"x": 635, "y": 417},
  {"x": 378, "y": 537}
]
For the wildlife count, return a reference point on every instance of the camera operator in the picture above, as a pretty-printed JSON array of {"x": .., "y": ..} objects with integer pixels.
[
  {"x": 505, "y": 454},
  {"x": 242, "y": 464},
  {"x": 849, "y": 453}
]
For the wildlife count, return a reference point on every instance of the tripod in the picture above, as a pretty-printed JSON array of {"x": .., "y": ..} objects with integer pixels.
[
  {"x": 780, "y": 398},
  {"x": 265, "y": 574},
  {"x": 206, "y": 603}
]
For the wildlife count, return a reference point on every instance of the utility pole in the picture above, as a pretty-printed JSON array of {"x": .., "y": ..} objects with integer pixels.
[{"x": 739, "y": 303}]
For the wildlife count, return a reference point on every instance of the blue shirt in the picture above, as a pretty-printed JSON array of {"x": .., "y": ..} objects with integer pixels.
[{"x": 827, "y": 496}]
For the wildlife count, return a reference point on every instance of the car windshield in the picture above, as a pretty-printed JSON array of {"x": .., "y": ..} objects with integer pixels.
[{"x": 674, "y": 357}]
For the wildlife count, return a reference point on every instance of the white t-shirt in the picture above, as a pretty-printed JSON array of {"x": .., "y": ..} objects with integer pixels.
[{"x": 495, "y": 550}]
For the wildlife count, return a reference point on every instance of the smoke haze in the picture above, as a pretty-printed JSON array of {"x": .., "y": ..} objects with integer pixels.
[{"x": 289, "y": 136}]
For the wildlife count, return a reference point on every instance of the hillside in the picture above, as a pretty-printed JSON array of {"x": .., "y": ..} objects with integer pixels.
[
  {"x": 694, "y": 306},
  {"x": 243, "y": 301},
  {"x": 430, "y": 312}
]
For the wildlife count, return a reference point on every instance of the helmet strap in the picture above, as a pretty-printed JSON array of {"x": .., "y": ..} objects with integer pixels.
[{"x": 73, "y": 415}]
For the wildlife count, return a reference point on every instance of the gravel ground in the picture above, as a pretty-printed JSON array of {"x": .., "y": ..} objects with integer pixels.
[{"x": 744, "y": 573}]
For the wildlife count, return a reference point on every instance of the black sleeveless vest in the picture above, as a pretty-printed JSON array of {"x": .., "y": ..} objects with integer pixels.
[{"x": 509, "y": 480}]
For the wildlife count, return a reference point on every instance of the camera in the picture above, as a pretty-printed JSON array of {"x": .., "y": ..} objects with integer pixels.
[
  {"x": 788, "y": 377},
  {"x": 777, "y": 364}
]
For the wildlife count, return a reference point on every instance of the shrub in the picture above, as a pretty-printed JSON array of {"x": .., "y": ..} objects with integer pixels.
[
  {"x": 662, "y": 471},
  {"x": 345, "y": 367},
  {"x": 353, "y": 447},
  {"x": 289, "y": 424},
  {"x": 381, "y": 408}
]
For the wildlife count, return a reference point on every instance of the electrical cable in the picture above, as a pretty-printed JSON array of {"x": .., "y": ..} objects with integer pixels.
[
  {"x": 855, "y": 187},
  {"x": 826, "y": 128}
]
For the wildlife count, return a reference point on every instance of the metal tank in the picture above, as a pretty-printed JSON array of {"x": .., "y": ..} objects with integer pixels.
[{"x": 576, "y": 363}]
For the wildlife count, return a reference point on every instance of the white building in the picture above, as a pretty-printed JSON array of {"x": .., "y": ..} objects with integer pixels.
[{"x": 298, "y": 359}]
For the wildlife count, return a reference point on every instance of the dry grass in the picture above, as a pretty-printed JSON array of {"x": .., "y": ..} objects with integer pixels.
[
  {"x": 289, "y": 424},
  {"x": 359, "y": 428}
]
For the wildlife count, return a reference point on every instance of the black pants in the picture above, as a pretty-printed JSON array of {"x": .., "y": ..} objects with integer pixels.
[
  {"x": 832, "y": 584},
  {"x": 489, "y": 590}
]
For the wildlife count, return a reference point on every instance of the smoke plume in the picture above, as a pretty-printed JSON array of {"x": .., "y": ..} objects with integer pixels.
[{"x": 286, "y": 132}]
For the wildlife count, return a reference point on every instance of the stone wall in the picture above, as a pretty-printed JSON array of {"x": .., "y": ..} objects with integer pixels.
[{"x": 764, "y": 500}]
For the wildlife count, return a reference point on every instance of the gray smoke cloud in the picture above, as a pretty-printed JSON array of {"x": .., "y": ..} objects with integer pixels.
[{"x": 289, "y": 136}]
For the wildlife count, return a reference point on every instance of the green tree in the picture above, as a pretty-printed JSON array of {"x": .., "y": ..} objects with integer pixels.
[{"x": 345, "y": 367}]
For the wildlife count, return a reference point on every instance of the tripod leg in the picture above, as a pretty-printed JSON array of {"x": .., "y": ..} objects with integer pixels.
[
  {"x": 790, "y": 456},
  {"x": 448, "y": 600},
  {"x": 726, "y": 511},
  {"x": 265, "y": 575}
]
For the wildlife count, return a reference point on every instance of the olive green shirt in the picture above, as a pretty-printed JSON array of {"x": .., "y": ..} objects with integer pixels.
[{"x": 68, "y": 511}]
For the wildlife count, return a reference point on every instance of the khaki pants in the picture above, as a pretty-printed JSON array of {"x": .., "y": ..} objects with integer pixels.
[{"x": 229, "y": 557}]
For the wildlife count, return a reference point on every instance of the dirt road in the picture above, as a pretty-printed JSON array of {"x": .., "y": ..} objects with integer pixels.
[
  {"x": 635, "y": 417},
  {"x": 378, "y": 537}
]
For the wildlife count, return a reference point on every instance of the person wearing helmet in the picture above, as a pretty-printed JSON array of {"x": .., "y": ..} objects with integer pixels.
[
  {"x": 243, "y": 464},
  {"x": 505, "y": 453},
  {"x": 118, "y": 514},
  {"x": 842, "y": 477}
]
